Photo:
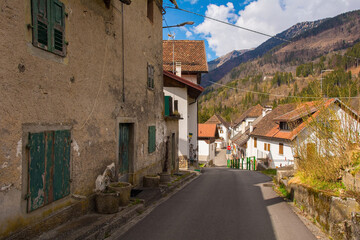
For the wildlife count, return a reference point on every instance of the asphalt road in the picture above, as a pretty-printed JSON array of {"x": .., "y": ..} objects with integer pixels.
[{"x": 222, "y": 204}]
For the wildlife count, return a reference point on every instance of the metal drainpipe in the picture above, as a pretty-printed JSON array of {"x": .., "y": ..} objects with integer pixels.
[{"x": 123, "y": 51}]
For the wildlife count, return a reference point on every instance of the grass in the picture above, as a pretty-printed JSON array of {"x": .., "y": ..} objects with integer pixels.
[
  {"x": 269, "y": 172},
  {"x": 327, "y": 186},
  {"x": 281, "y": 189}
]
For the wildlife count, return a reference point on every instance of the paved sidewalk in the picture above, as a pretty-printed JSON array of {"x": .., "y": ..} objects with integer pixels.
[
  {"x": 100, "y": 226},
  {"x": 220, "y": 158}
]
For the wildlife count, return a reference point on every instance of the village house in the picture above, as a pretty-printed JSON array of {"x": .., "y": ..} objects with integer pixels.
[
  {"x": 81, "y": 88},
  {"x": 206, "y": 142},
  {"x": 223, "y": 130},
  {"x": 247, "y": 118},
  {"x": 187, "y": 60},
  {"x": 274, "y": 138}
]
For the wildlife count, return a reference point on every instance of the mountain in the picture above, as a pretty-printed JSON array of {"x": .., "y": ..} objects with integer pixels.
[
  {"x": 330, "y": 33},
  {"x": 278, "y": 72},
  {"x": 223, "y": 59}
]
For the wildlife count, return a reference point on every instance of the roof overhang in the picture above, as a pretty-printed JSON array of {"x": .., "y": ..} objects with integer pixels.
[{"x": 172, "y": 80}]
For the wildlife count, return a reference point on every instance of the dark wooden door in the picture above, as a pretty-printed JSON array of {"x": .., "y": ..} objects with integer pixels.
[{"x": 124, "y": 148}]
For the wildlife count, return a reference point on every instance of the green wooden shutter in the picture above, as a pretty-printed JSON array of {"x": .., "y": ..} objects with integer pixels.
[
  {"x": 36, "y": 170},
  {"x": 58, "y": 27},
  {"x": 61, "y": 164},
  {"x": 40, "y": 21},
  {"x": 151, "y": 139},
  {"x": 49, "y": 167}
]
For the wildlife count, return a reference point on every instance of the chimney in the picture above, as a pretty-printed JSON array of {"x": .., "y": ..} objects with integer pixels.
[
  {"x": 263, "y": 112},
  {"x": 178, "y": 69},
  {"x": 251, "y": 128}
]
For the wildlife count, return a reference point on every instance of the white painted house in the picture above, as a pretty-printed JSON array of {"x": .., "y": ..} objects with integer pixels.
[
  {"x": 206, "y": 142},
  {"x": 273, "y": 138},
  {"x": 246, "y": 119},
  {"x": 223, "y": 128},
  {"x": 185, "y": 59}
]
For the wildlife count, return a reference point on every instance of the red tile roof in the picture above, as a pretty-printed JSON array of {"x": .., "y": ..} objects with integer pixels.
[
  {"x": 206, "y": 130},
  {"x": 191, "y": 54},
  {"x": 269, "y": 125}
]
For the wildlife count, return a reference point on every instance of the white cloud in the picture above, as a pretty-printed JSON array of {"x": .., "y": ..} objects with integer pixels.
[
  {"x": 188, "y": 34},
  {"x": 267, "y": 16},
  {"x": 191, "y": 1}
]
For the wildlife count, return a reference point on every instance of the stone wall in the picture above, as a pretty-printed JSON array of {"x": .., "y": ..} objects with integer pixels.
[
  {"x": 351, "y": 182},
  {"x": 339, "y": 217}
]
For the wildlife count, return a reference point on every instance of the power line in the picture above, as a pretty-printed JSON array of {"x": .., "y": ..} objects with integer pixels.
[{"x": 230, "y": 24}]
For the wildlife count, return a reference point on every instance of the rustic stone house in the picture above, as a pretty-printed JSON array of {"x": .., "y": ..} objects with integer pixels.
[
  {"x": 187, "y": 60},
  {"x": 81, "y": 88}
]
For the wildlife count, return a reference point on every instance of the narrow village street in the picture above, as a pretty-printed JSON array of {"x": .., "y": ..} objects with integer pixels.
[{"x": 222, "y": 204}]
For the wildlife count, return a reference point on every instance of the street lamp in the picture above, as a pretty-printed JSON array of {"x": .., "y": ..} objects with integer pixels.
[
  {"x": 181, "y": 24},
  {"x": 321, "y": 72}
]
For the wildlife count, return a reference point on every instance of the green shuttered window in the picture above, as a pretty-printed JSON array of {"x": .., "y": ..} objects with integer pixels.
[
  {"x": 48, "y": 20},
  {"x": 150, "y": 76},
  {"x": 151, "y": 139},
  {"x": 49, "y": 167}
]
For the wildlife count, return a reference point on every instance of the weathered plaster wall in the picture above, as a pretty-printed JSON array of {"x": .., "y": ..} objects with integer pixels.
[{"x": 82, "y": 91}]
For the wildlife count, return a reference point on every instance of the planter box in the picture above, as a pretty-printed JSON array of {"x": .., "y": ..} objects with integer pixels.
[
  {"x": 107, "y": 202},
  {"x": 123, "y": 189},
  {"x": 151, "y": 181}
]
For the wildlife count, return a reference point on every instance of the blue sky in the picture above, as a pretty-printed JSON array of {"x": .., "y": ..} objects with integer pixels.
[{"x": 267, "y": 16}]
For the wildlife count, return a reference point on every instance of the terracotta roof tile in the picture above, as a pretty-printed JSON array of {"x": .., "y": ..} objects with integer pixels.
[
  {"x": 217, "y": 119},
  {"x": 206, "y": 130},
  {"x": 269, "y": 126},
  {"x": 191, "y": 54}
]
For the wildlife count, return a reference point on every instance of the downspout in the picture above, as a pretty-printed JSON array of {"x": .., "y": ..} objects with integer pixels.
[{"x": 123, "y": 51}]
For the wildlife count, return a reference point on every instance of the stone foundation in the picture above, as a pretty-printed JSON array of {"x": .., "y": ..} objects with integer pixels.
[{"x": 339, "y": 217}]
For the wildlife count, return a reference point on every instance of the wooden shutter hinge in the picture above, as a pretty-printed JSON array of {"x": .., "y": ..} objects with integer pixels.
[
  {"x": 29, "y": 26},
  {"x": 66, "y": 42}
]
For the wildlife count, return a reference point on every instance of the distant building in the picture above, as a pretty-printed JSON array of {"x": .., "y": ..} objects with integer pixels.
[
  {"x": 223, "y": 128},
  {"x": 206, "y": 142},
  {"x": 187, "y": 60},
  {"x": 272, "y": 138}
]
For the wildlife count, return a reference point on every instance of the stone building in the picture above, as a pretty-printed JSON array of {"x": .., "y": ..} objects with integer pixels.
[
  {"x": 187, "y": 60},
  {"x": 81, "y": 88}
]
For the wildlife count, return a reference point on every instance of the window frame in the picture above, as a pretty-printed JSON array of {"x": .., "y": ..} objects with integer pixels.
[
  {"x": 281, "y": 149},
  {"x": 150, "y": 76},
  {"x": 54, "y": 24},
  {"x": 255, "y": 142},
  {"x": 150, "y": 10}
]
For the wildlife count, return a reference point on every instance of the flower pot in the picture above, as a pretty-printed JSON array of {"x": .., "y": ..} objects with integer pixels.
[
  {"x": 151, "y": 181},
  {"x": 123, "y": 189},
  {"x": 165, "y": 177},
  {"x": 107, "y": 202}
]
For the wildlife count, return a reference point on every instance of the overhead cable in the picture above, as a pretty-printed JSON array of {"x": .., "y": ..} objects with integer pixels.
[{"x": 230, "y": 24}]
